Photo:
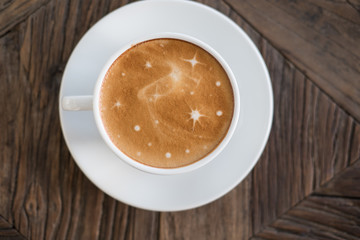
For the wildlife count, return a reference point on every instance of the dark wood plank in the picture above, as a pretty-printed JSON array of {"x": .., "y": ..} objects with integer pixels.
[
  {"x": 312, "y": 139},
  {"x": 144, "y": 225},
  {"x": 317, "y": 218},
  {"x": 8, "y": 153},
  {"x": 8, "y": 232},
  {"x": 226, "y": 218},
  {"x": 332, "y": 212},
  {"x": 13, "y": 12},
  {"x": 322, "y": 44},
  {"x": 348, "y": 10},
  {"x": 346, "y": 185}
]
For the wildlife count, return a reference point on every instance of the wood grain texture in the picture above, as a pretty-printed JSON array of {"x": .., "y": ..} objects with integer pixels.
[
  {"x": 44, "y": 195},
  {"x": 13, "y": 12},
  {"x": 345, "y": 185},
  {"x": 226, "y": 218},
  {"x": 323, "y": 44},
  {"x": 317, "y": 218},
  {"x": 312, "y": 139},
  {"x": 8, "y": 232},
  {"x": 331, "y": 212}
]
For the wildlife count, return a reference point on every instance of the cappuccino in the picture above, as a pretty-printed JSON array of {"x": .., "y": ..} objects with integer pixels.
[{"x": 166, "y": 103}]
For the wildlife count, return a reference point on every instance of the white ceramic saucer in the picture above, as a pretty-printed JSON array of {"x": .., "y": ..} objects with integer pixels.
[{"x": 183, "y": 191}]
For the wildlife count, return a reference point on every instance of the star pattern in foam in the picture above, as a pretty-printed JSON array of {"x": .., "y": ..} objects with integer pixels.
[
  {"x": 196, "y": 80},
  {"x": 195, "y": 115},
  {"x": 148, "y": 64},
  {"x": 175, "y": 74},
  {"x": 193, "y": 61},
  {"x": 156, "y": 95},
  {"x": 117, "y": 104}
]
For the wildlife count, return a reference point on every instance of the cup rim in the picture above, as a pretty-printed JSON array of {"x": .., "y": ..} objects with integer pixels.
[{"x": 183, "y": 169}]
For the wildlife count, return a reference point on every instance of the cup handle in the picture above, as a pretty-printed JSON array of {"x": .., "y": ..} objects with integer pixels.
[{"x": 77, "y": 103}]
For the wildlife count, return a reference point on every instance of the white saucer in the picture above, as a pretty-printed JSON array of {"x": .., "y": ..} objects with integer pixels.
[{"x": 184, "y": 191}]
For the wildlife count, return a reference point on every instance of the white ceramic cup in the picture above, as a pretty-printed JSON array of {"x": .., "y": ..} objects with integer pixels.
[{"x": 79, "y": 103}]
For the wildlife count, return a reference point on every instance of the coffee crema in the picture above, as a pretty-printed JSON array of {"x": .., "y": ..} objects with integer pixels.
[{"x": 166, "y": 103}]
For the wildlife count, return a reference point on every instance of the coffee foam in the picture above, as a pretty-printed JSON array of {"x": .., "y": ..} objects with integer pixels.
[{"x": 166, "y": 103}]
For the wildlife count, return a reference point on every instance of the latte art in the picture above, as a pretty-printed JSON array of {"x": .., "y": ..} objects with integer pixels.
[{"x": 166, "y": 103}]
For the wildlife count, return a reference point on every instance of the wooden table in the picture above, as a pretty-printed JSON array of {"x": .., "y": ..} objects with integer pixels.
[{"x": 305, "y": 186}]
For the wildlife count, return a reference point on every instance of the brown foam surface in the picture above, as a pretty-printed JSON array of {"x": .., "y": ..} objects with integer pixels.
[{"x": 166, "y": 103}]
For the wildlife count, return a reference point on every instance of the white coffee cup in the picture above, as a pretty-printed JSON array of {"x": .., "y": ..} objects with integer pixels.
[{"x": 80, "y": 103}]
